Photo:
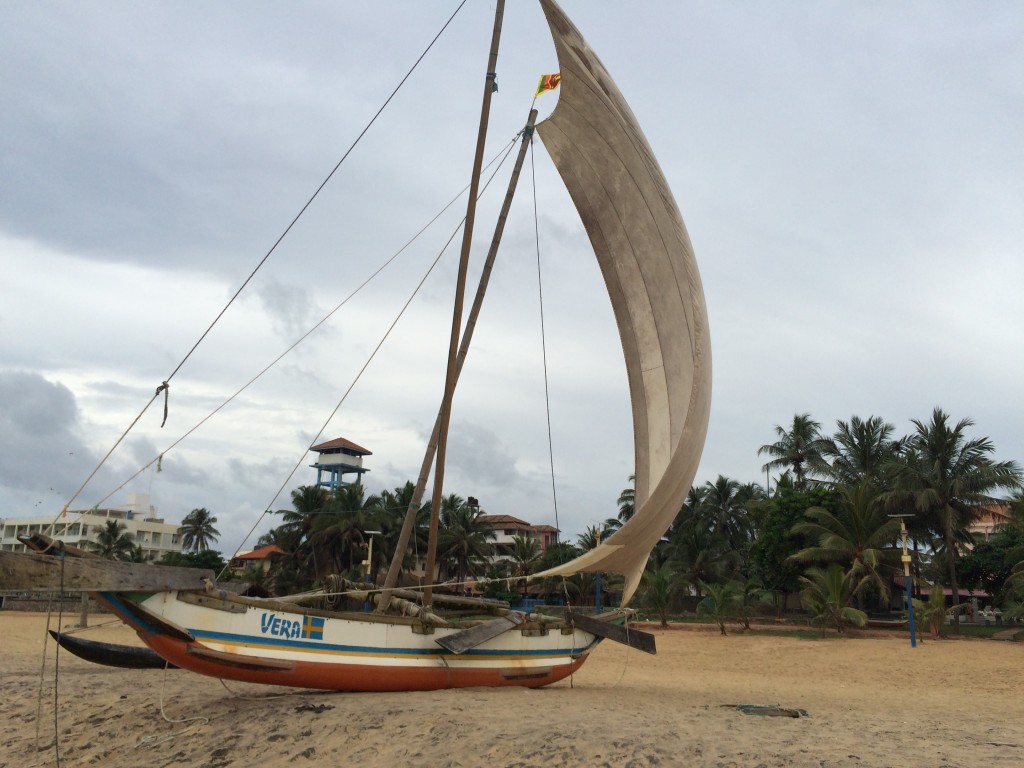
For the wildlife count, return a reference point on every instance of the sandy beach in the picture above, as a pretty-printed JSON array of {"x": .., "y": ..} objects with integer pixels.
[{"x": 871, "y": 702}]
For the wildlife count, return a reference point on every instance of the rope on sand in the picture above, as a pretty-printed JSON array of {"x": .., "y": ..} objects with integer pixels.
[{"x": 152, "y": 741}]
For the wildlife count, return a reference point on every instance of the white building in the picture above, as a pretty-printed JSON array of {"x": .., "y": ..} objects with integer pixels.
[{"x": 139, "y": 517}]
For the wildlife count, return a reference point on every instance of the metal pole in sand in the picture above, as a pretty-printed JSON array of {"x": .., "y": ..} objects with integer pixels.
[{"x": 906, "y": 573}]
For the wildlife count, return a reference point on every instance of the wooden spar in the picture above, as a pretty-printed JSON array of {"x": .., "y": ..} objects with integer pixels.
[
  {"x": 634, "y": 638},
  {"x": 42, "y": 543},
  {"x": 413, "y": 609},
  {"x": 428, "y": 459},
  {"x": 457, "y": 601},
  {"x": 460, "y": 290},
  {"x": 32, "y": 571},
  {"x": 470, "y": 638}
]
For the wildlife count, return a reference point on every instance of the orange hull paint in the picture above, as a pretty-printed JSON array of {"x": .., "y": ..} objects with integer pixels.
[{"x": 357, "y": 677}]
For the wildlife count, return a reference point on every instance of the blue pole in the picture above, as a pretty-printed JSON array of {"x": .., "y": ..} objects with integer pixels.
[
  {"x": 597, "y": 594},
  {"x": 910, "y": 613}
]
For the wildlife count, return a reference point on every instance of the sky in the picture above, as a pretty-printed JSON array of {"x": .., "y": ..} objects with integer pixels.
[{"x": 851, "y": 176}]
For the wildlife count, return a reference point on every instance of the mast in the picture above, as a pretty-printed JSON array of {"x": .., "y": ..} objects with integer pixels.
[
  {"x": 460, "y": 292},
  {"x": 428, "y": 459}
]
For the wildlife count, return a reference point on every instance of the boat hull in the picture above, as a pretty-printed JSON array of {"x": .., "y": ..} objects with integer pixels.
[{"x": 352, "y": 652}]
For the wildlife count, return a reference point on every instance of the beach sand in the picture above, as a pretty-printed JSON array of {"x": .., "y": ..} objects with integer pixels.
[{"x": 871, "y": 702}]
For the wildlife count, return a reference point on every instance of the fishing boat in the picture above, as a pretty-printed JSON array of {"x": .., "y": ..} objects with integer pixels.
[{"x": 424, "y": 640}]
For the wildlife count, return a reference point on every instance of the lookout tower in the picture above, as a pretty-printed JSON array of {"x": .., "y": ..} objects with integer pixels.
[{"x": 336, "y": 459}]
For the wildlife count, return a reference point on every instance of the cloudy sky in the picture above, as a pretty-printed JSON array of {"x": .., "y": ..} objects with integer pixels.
[{"x": 851, "y": 176}]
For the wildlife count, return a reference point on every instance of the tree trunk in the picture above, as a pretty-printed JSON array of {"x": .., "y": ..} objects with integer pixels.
[{"x": 951, "y": 560}]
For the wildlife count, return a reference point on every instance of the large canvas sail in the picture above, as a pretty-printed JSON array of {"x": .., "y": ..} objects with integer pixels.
[{"x": 649, "y": 269}]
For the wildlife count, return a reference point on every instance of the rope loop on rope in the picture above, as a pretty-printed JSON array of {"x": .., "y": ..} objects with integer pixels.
[{"x": 165, "y": 387}]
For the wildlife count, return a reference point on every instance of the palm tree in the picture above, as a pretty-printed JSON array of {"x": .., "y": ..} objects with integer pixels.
[
  {"x": 721, "y": 603},
  {"x": 387, "y": 511},
  {"x": 113, "y": 542},
  {"x": 859, "y": 534},
  {"x": 748, "y": 592},
  {"x": 722, "y": 507},
  {"x": 197, "y": 530},
  {"x": 827, "y": 595},
  {"x": 338, "y": 537},
  {"x": 659, "y": 589},
  {"x": 525, "y": 554},
  {"x": 589, "y": 539},
  {"x": 308, "y": 501},
  {"x": 798, "y": 447},
  {"x": 933, "y": 612},
  {"x": 626, "y": 500},
  {"x": 464, "y": 541},
  {"x": 698, "y": 554},
  {"x": 858, "y": 450},
  {"x": 944, "y": 476}
]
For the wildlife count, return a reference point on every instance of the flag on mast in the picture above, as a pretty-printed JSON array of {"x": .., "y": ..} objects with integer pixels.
[{"x": 548, "y": 83}]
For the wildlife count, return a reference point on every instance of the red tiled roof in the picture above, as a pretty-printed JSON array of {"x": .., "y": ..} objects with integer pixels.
[
  {"x": 504, "y": 520},
  {"x": 341, "y": 442},
  {"x": 545, "y": 528},
  {"x": 261, "y": 554}
]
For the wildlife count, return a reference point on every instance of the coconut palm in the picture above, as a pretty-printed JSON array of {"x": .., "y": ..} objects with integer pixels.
[
  {"x": 658, "y": 591},
  {"x": 749, "y": 591},
  {"x": 933, "y": 612},
  {"x": 944, "y": 476},
  {"x": 858, "y": 450},
  {"x": 525, "y": 554},
  {"x": 721, "y": 603},
  {"x": 698, "y": 554},
  {"x": 308, "y": 501},
  {"x": 722, "y": 506},
  {"x": 337, "y": 539},
  {"x": 590, "y": 538},
  {"x": 827, "y": 595},
  {"x": 198, "y": 530},
  {"x": 113, "y": 541},
  {"x": 464, "y": 540},
  {"x": 798, "y": 447},
  {"x": 859, "y": 534},
  {"x": 388, "y": 510},
  {"x": 626, "y": 501}
]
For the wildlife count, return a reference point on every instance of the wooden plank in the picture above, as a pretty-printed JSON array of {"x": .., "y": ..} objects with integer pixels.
[
  {"x": 30, "y": 571},
  {"x": 238, "y": 660},
  {"x": 460, "y": 642},
  {"x": 634, "y": 638}
]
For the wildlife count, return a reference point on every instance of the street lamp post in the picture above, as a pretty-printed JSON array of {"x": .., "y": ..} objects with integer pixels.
[{"x": 906, "y": 573}]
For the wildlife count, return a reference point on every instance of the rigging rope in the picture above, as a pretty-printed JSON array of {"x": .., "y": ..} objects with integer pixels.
[
  {"x": 165, "y": 385},
  {"x": 373, "y": 354},
  {"x": 543, "y": 342},
  {"x": 322, "y": 185},
  {"x": 56, "y": 658},
  {"x": 499, "y": 158}
]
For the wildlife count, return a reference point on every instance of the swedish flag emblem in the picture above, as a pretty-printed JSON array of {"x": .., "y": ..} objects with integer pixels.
[{"x": 312, "y": 628}]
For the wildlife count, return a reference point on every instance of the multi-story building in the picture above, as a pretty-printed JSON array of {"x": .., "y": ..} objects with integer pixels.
[
  {"x": 153, "y": 534},
  {"x": 988, "y": 518},
  {"x": 507, "y": 528}
]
